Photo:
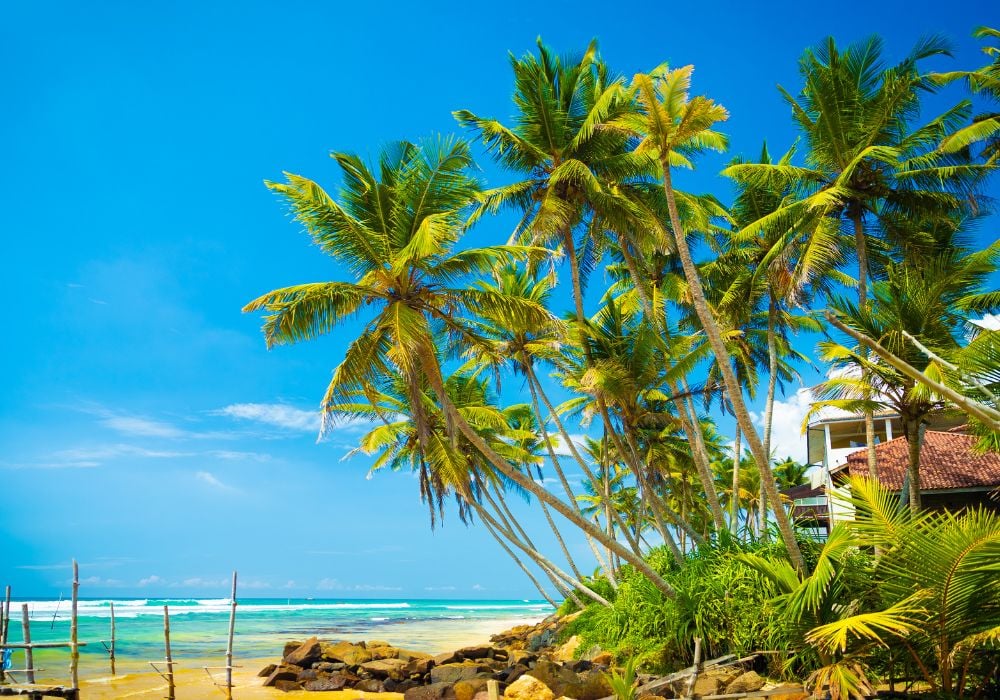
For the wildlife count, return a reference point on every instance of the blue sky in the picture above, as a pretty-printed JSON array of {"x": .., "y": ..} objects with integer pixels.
[{"x": 145, "y": 429}]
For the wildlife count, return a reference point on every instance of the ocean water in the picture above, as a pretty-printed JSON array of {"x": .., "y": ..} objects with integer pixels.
[{"x": 198, "y": 627}]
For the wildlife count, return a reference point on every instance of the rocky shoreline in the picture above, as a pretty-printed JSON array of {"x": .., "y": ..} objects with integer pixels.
[{"x": 526, "y": 662}]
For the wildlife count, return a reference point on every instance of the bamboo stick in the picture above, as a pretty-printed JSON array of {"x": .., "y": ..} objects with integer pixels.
[
  {"x": 112, "y": 650},
  {"x": 493, "y": 688},
  {"x": 229, "y": 646},
  {"x": 74, "y": 658},
  {"x": 170, "y": 659},
  {"x": 698, "y": 666},
  {"x": 29, "y": 657}
]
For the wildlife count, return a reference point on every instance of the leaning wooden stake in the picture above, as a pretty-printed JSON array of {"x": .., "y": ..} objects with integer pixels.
[
  {"x": 112, "y": 650},
  {"x": 74, "y": 658},
  {"x": 170, "y": 659},
  {"x": 229, "y": 646},
  {"x": 698, "y": 667},
  {"x": 493, "y": 689},
  {"x": 29, "y": 660}
]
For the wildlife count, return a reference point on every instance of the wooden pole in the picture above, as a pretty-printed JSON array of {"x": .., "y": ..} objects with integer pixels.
[
  {"x": 29, "y": 657},
  {"x": 4, "y": 623},
  {"x": 493, "y": 688},
  {"x": 169, "y": 656},
  {"x": 698, "y": 666},
  {"x": 112, "y": 650},
  {"x": 229, "y": 645},
  {"x": 74, "y": 658}
]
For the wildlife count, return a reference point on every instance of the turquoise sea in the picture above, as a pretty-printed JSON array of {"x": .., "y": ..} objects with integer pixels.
[{"x": 198, "y": 627}]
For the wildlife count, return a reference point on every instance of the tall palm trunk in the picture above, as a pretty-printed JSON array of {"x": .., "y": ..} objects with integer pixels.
[
  {"x": 914, "y": 438},
  {"x": 520, "y": 564},
  {"x": 512, "y": 526},
  {"x": 772, "y": 384},
  {"x": 542, "y": 422},
  {"x": 558, "y": 535},
  {"x": 734, "y": 505},
  {"x": 501, "y": 465},
  {"x": 564, "y": 434},
  {"x": 861, "y": 244},
  {"x": 531, "y": 551},
  {"x": 729, "y": 377},
  {"x": 688, "y": 424},
  {"x": 700, "y": 454}
]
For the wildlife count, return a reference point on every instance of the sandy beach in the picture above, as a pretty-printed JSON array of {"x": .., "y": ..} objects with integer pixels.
[{"x": 137, "y": 679}]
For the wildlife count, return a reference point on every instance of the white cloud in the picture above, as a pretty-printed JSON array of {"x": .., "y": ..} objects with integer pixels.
[
  {"x": 478, "y": 587},
  {"x": 276, "y": 414},
  {"x": 561, "y": 448},
  {"x": 211, "y": 480},
  {"x": 332, "y": 584},
  {"x": 199, "y": 582},
  {"x": 143, "y": 427},
  {"x": 439, "y": 588},
  {"x": 990, "y": 322},
  {"x": 240, "y": 456},
  {"x": 787, "y": 439},
  {"x": 150, "y": 580}
]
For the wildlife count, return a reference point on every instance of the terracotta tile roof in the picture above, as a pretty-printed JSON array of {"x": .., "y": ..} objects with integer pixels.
[{"x": 947, "y": 461}]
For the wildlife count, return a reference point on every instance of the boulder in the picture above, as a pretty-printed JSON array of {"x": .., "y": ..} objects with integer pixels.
[
  {"x": 580, "y": 665},
  {"x": 745, "y": 683},
  {"x": 304, "y": 655},
  {"x": 282, "y": 673},
  {"x": 434, "y": 691},
  {"x": 419, "y": 667},
  {"x": 593, "y": 685},
  {"x": 329, "y": 666},
  {"x": 446, "y": 658},
  {"x": 519, "y": 656},
  {"x": 602, "y": 659},
  {"x": 801, "y": 694},
  {"x": 527, "y": 688},
  {"x": 708, "y": 685},
  {"x": 452, "y": 673},
  {"x": 309, "y": 674},
  {"x": 482, "y": 651},
  {"x": 386, "y": 668},
  {"x": 410, "y": 655},
  {"x": 372, "y": 685},
  {"x": 559, "y": 679},
  {"x": 567, "y": 650},
  {"x": 338, "y": 650},
  {"x": 286, "y": 686},
  {"x": 289, "y": 648},
  {"x": 466, "y": 690},
  {"x": 334, "y": 682},
  {"x": 267, "y": 670}
]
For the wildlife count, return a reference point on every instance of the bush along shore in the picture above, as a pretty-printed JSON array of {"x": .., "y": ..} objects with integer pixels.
[{"x": 528, "y": 662}]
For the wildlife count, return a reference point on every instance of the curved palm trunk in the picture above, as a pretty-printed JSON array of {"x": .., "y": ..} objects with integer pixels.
[
  {"x": 914, "y": 439},
  {"x": 501, "y": 465},
  {"x": 511, "y": 525},
  {"x": 517, "y": 560},
  {"x": 700, "y": 454},
  {"x": 729, "y": 377},
  {"x": 534, "y": 554},
  {"x": 688, "y": 424},
  {"x": 562, "y": 479},
  {"x": 558, "y": 535},
  {"x": 861, "y": 244},
  {"x": 734, "y": 506},
  {"x": 564, "y": 434}
]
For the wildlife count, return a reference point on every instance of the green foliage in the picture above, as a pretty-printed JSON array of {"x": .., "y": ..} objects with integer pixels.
[{"x": 623, "y": 684}]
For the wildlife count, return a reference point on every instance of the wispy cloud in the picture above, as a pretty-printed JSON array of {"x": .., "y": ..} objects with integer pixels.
[
  {"x": 278, "y": 415},
  {"x": 210, "y": 479},
  {"x": 439, "y": 588},
  {"x": 93, "y": 456},
  {"x": 562, "y": 449},
  {"x": 151, "y": 580},
  {"x": 143, "y": 427}
]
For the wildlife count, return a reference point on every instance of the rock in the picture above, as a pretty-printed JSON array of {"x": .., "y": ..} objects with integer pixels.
[
  {"x": 514, "y": 672},
  {"x": 286, "y": 686},
  {"x": 580, "y": 665},
  {"x": 452, "y": 673},
  {"x": 420, "y": 667},
  {"x": 334, "y": 682},
  {"x": 376, "y": 643},
  {"x": 708, "y": 685},
  {"x": 267, "y": 671},
  {"x": 593, "y": 685},
  {"x": 466, "y": 690},
  {"x": 527, "y": 688},
  {"x": 447, "y": 658},
  {"x": 308, "y": 674},
  {"x": 800, "y": 695},
  {"x": 560, "y": 680},
  {"x": 329, "y": 666},
  {"x": 282, "y": 673},
  {"x": 482, "y": 651},
  {"x": 338, "y": 650},
  {"x": 481, "y": 695},
  {"x": 651, "y": 697},
  {"x": 403, "y": 686},
  {"x": 307, "y": 652},
  {"x": 357, "y": 657},
  {"x": 410, "y": 655},
  {"x": 386, "y": 668},
  {"x": 434, "y": 691},
  {"x": 519, "y": 656},
  {"x": 563, "y": 697},
  {"x": 372, "y": 685},
  {"x": 567, "y": 651},
  {"x": 745, "y": 683},
  {"x": 602, "y": 659},
  {"x": 289, "y": 648}
]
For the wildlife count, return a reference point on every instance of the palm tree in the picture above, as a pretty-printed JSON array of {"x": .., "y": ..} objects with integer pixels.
[
  {"x": 985, "y": 82},
  {"x": 919, "y": 313},
  {"x": 396, "y": 232},
  {"x": 673, "y": 127},
  {"x": 864, "y": 166}
]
